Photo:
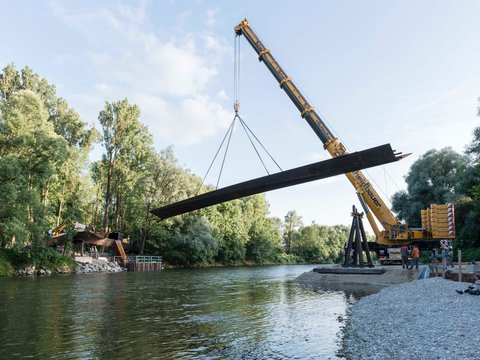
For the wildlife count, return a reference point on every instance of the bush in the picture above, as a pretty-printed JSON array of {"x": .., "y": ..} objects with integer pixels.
[
  {"x": 470, "y": 254},
  {"x": 36, "y": 256},
  {"x": 5, "y": 266}
]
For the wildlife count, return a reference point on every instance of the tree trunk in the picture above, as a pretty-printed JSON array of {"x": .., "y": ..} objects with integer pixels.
[
  {"x": 117, "y": 211},
  {"x": 144, "y": 230},
  {"x": 143, "y": 238},
  {"x": 59, "y": 214},
  {"x": 107, "y": 194}
]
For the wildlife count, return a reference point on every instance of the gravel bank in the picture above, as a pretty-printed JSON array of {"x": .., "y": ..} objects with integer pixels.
[{"x": 424, "y": 319}]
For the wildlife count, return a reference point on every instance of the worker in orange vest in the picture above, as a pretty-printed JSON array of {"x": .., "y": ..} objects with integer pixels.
[{"x": 415, "y": 256}]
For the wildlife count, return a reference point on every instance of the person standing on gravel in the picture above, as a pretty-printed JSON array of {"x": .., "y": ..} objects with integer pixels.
[
  {"x": 404, "y": 255},
  {"x": 473, "y": 289},
  {"x": 415, "y": 256}
]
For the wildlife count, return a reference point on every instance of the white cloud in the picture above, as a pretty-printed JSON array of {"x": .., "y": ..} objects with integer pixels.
[
  {"x": 167, "y": 68},
  {"x": 136, "y": 14},
  {"x": 211, "y": 17},
  {"x": 215, "y": 49},
  {"x": 170, "y": 76},
  {"x": 222, "y": 95},
  {"x": 186, "y": 123}
]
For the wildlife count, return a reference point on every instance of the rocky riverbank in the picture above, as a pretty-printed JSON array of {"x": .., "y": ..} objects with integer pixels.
[
  {"x": 41, "y": 271},
  {"x": 32, "y": 270},
  {"x": 81, "y": 268},
  {"x": 424, "y": 319},
  {"x": 98, "y": 266}
]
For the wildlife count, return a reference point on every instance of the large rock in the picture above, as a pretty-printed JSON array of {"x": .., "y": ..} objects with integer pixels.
[
  {"x": 63, "y": 269},
  {"x": 99, "y": 266}
]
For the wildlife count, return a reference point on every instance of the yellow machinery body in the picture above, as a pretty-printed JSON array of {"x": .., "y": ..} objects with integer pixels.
[{"x": 394, "y": 232}]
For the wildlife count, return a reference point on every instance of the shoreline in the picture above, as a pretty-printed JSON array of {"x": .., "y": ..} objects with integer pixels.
[
  {"x": 400, "y": 317},
  {"x": 372, "y": 282},
  {"x": 422, "y": 319},
  {"x": 109, "y": 266}
]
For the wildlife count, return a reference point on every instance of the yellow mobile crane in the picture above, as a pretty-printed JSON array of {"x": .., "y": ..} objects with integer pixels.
[{"x": 437, "y": 222}]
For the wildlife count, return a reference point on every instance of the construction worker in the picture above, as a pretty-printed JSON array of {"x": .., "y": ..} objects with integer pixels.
[
  {"x": 404, "y": 255},
  {"x": 473, "y": 289},
  {"x": 415, "y": 256}
]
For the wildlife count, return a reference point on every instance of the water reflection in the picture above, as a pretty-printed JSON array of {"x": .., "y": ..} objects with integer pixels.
[{"x": 175, "y": 314}]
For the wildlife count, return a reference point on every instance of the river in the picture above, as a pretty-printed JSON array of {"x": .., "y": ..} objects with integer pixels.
[{"x": 215, "y": 313}]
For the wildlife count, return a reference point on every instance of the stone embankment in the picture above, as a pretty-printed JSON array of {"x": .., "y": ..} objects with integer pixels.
[
  {"x": 423, "y": 319},
  {"x": 33, "y": 270},
  {"x": 98, "y": 266},
  {"x": 82, "y": 268}
]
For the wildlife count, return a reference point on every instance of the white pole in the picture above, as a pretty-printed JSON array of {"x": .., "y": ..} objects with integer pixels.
[
  {"x": 460, "y": 265},
  {"x": 444, "y": 263}
]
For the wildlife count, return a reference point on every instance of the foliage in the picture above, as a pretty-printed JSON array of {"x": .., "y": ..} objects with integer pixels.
[
  {"x": 36, "y": 256},
  {"x": 432, "y": 179},
  {"x": 471, "y": 254},
  {"x": 319, "y": 243},
  {"x": 469, "y": 185},
  {"x": 43, "y": 146},
  {"x": 5, "y": 267},
  {"x": 127, "y": 144},
  {"x": 192, "y": 243},
  {"x": 291, "y": 225},
  {"x": 264, "y": 242},
  {"x": 45, "y": 181}
]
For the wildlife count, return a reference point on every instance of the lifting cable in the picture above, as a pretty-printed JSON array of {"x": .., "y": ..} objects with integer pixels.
[
  {"x": 236, "y": 74},
  {"x": 246, "y": 128},
  {"x": 225, "y": 154},
  {"x": 229, "y": 131},
  {"x": 236, "y": 105}
]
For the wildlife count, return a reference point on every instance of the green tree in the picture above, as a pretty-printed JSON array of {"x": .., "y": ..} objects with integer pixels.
[
  {"x": 432, "y": 179},
  {"x": 127, "y": 149},
  {"x": 63, "y": 191},
  {"x": 192, "y": 243},
  {"x": 293, "y": 222},
  {"x": 320, "y": 244},
  {"x": 165, "y": 183},
  {"x": 30, "y": 154},
  {"x": 468, "y": 208},
  {"x": 264, "y": 244},
  {"x": 230, "y": 233}
]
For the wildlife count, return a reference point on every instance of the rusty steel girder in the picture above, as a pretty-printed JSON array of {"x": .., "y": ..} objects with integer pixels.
[{"x": 349, "y": 163}]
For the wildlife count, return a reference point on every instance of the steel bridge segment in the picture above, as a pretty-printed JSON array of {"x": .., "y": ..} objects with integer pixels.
[{"x": 352, "y": 162}]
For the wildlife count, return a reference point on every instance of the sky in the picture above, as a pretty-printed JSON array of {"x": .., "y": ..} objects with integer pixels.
[{"x": 401, "y": 72}]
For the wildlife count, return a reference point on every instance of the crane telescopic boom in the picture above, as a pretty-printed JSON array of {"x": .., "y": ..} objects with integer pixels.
[{"x": 394, "y": 230}]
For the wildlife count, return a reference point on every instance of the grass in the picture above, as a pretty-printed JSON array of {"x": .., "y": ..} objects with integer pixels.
[
  {"x": 6, "y": 268},
  {"x": 43, "y": 257}
]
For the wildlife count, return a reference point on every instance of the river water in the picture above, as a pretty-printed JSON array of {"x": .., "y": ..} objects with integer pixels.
[{"x": 216, "y": 313}]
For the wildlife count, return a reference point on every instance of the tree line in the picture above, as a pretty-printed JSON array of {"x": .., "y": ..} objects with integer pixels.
[
  {"x": 46, "y": 179},
  {"x": 446, "y": 176}
]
